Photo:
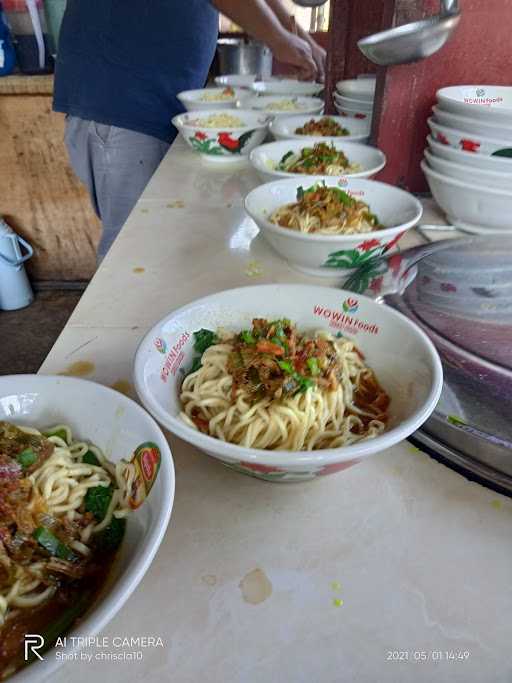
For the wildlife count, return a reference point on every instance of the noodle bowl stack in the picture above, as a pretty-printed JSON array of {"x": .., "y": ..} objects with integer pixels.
[{"x": 403, "y": 359}]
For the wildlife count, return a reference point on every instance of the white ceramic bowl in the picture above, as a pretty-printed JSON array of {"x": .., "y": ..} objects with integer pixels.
[
  {"x": 223, "y": 144},
  {"x": 469, "y": 174},
  {"x": 472, "y": 143},
  {"x": 235, "y": 80},
  {"x": 472, "y": 126},
  {"x": 501, "y": 164},
  {"x": 354, "y": 114},
  {"x": 404, "y": 359},
  {"x": 470, "y": 206},
  {"x": 265, "y": 158},
  {"x": 357, "y": 88},
  {"x": 304, "y": 105},
  {"x": 396, "y": 209},
  {"x": 118, "y": 425},
  {"x": 350, "y": 103},
  {"x": 484, "y": 102},
  {"x": 284, "y": 127},
  {"x": 287, "y": 87},
  {"x": 193, "y": 100}
]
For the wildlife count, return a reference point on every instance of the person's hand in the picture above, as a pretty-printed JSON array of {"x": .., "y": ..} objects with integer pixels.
[
  {"x": 319, "y": 56},
  {"x": 292, "y": 50}
]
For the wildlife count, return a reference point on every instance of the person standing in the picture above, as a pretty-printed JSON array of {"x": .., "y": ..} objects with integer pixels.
[{"x": 121, "y": 64}]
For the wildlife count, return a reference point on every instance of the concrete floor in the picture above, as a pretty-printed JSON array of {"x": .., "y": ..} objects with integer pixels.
[{"x": 27, "y": 335}]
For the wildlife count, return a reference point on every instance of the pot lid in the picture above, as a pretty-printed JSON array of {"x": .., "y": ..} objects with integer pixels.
[
  {"x": 460, "y": 293},
  {"x": 464, "y": 294}
]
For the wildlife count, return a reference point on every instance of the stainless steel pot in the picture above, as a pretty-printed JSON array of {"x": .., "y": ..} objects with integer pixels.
[{"x": 239, "y": 56}]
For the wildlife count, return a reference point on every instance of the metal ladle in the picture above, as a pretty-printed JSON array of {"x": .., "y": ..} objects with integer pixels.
[{"x": 414, "y": 41}]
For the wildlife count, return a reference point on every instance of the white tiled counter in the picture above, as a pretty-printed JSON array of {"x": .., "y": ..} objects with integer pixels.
[{"x": 391, "y": 571}]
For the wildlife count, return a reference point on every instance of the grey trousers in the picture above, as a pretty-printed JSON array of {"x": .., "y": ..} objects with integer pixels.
[{"x": 115, "y": 164}]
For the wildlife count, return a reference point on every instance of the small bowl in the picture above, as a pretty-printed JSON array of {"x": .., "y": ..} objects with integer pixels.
[
  {"x": 224, "y": 143},
  {"x": 354, "y": 113},
  {"x": 235, "y": 80},
  {"x": 497, "y": 164},
  {"x": 470, "y": 206},
  {"x": 402, "y": 356},
  {"x": 304, "y": 105},
  {"x": 192, "y": 99},
  {"x": 351, "y": 103},
  {"x": 266, "y": 157},
  {"x": 311, "y": 254},
  {"x": 284, "y": 127},
  {"x": 357, "y": 88},
  {"x": 473, "y": 144},
  {"x": 117, "y": 425},
  {"x": 490, "y": 103},
  {"x": 287, "y": 87},
  {"x": 472, "y": 126},
  {"x": 469, "y": 174}
]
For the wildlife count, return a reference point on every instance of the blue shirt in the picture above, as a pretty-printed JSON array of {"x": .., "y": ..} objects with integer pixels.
[{"x": 122, "y": 62}]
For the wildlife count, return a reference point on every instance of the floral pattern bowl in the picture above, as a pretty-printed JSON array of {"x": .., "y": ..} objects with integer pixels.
[
  {"x": 334, "y": 255},
  {"x": 266, "y": 158},
  {"x": 223, "y": 143},
  {"x": 467, "y": 142},
  {"x": 403, "y": 358}
]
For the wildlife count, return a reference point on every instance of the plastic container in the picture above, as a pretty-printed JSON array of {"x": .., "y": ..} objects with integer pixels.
[{"x": 31, "y": 40}]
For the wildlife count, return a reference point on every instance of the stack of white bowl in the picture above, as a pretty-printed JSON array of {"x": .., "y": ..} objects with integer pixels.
[
  {"x": 354, "y": 98},
  {"x": 468, "y": 161}
]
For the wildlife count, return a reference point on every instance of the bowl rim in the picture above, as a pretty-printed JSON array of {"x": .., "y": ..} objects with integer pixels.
[
  {"x": 179, "y": 124},
  {"x": 484, "y": 171},
  {"x": 351, "y": 81},
  {"x": 352, "y": 102},
  {"x": 436, "y": 109},
  {"x": 446, "y": 94},
  {"x": 256, "y": 161},
  {"x": 278, "y": 458},
  {"x": 265, "y": 224},
  {"x": 461, "y": 184},
  {"x": 258, "y": 87},
  {"x": 490, "y": 141},
  {"x": 340, "y": 109},
  {"x": 193, "y": 95},
  {"x": 96, "y": 618}
]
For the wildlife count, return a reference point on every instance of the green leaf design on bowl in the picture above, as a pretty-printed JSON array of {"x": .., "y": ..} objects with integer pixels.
[{"x": 506, "y": 152}]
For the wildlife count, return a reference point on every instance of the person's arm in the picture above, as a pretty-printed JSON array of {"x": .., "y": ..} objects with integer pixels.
[
  {"x": 259, "y": 20},
  {"x": 289, "y": 24}
]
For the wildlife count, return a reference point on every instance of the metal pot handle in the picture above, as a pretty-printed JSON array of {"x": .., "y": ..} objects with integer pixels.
[
  {"x": 16, "y": 239},
  {"x": 391, "y": 274}
]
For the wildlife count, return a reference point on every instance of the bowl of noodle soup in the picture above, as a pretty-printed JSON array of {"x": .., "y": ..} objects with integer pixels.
[
  {"x": 353, "y": 377},
  {"x": 292, "y": 158},
  {"x": 72, "y": 546},
  {"x": 328, "y": 226}
]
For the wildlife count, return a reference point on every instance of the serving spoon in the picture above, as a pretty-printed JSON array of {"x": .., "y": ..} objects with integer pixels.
[{"x": 414, "y": 41}]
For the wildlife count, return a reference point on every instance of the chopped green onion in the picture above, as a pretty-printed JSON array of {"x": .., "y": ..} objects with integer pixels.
[
  {"x": 247, "y": 337},
  {"x": 53, "y": 545},
  {"x": 26, "y": 458},
  {"x": 286, "y": 365},
  {"x": 312, "y": 364}
]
